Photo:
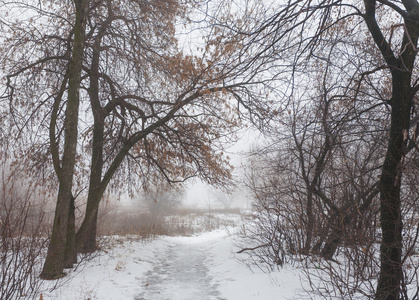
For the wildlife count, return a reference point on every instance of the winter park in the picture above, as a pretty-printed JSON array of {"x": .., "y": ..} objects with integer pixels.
[{"x": 209, "y": 150}]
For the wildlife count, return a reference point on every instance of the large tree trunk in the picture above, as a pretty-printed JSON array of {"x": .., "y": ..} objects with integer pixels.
[
  {"x": 391, "y": 221},
  {"x": 55, "y": 260},
  {"x": 401, "y": 67},
  {"x": 86, "y": 235}
]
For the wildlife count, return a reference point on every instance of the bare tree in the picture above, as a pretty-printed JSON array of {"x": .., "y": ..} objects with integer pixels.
[
  {"x": 157, "y": 112},
  {"x": 391, "y": 29},
  {"x": 61, "y": 251}
]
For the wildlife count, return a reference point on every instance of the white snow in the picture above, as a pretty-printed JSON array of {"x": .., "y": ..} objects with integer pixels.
[{"x": 202, "y": 267}]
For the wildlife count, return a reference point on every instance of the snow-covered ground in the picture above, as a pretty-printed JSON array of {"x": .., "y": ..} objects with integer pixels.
[{"x": 202, "y": 267}]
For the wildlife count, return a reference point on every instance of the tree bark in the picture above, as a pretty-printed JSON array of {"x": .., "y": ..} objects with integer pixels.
[
  {"x": 86, "y": 235},
  {"x": 70, "y": 249},
  {"x": 391, "y": 273},
  {"x": 401, "y": 67},
  {"x": 310, "y": 224},
  {"x": 55, "y": 260},
  {"x": 390, "y": 206}
]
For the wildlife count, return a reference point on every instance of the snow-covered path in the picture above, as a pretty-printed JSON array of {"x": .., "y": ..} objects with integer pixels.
[
  {"x": 180, "y": 273},
  {"x": 201, "y": 267}
]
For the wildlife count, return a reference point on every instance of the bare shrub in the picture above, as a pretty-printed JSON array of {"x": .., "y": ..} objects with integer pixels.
[
  {"x": 22, "y": 237},
  {"x": 267, "y": 240},
  {"x": 275, "y": 230},
  {"x": 352, "y": 275}
]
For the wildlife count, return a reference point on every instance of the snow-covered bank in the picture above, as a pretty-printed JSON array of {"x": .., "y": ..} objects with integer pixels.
[{"x": 201, "y": 267}]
